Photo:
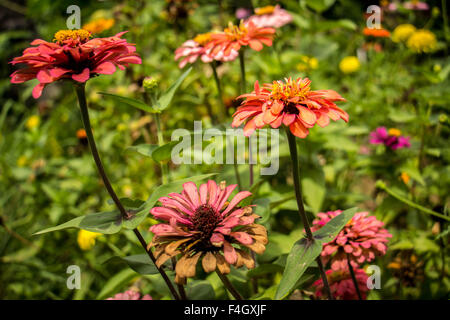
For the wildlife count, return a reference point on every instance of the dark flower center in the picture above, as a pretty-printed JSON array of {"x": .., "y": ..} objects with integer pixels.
[
  {"x": 205, "y": 220},
  {"x": 291, "y": 108}
]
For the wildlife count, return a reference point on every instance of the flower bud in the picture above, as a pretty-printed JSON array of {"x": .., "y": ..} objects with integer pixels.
[{"x": 149, "y": 84}]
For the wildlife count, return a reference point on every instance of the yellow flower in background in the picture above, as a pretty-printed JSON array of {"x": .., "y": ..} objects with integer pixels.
[
  {"x": 264, "y": 10},
  {"x": 127, "y": 190},
  {"x": 403, "y": 32},
  {"x": 405, "y": 177},
  {"x": 22, "y": 161},
  {"x": 307, "y": 63},
  {"x": 33, "y": 122},
  {"x": 86, "y": 239},
  {"x": 99, "y": 25},
  {"x": 349, "y": 64},
  {"x": 422, "y": 41},
  {"x": 394, "y": 132}
]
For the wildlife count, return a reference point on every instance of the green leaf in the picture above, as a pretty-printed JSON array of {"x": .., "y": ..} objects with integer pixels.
[
  {"x": 115, "y": 283},
  {"x": 380, "y": 184},
  {"x": 302, "y": 254},
  {"x": 313, "y": 185},
  {"x": 165, "y": 99},
  {"x": 401, "y": 116},
  {"x": 144, "y": 149},
  {"x": 329, "y": 231},
  {"x": 164, "y": 152},
  {"x": 200, "y": 290},
  {"x": 320, "y": 5},
  {"x": 140, "y": 263},
  {"x": 131, "y": 102},
  {"x": 103, "y": 222}
]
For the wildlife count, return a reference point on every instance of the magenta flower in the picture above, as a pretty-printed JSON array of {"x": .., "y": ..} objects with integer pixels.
[
  {"x": 130, "y": 295},
  {"x": 73, "y": 56},
  {"x": 342, "y": 286},
  {"x": 202, "y": 223},
  {"x": 270, "y": 16},
  {"x": 362, "y": 239},
  {"x": 416, "y": 5},
  {"x": 391, "y": 138},
  {"x": 243, "y": 13}
]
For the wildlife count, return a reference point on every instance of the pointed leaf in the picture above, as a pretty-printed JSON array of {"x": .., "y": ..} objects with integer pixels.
[
  {"x": 131, "y": 102},
  {"x": 329, "y": 231},
  {"x": 165, "y": 99}
]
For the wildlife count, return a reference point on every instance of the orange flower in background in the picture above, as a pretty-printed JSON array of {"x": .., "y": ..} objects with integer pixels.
[
  {"x": 291, "y": 103},
  {"x": 99, "y": 25},
  {"x": 81, "y": 134},
  {"x": 234, "y": 37},
  {"x": 377, "y": 33}
]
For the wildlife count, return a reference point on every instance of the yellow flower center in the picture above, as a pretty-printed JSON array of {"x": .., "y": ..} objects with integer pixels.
[
  {"x": 264, "y": 10},
  {"x": 203, "y": 38},
  {"x": 288, "y": 90},
  {"x": 236, "y": 32},
  {"x": 394, "y": 132},
  {"x": 79, "y": 34}
]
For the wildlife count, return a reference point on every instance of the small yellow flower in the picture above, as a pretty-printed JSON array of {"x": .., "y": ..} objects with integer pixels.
[
  {"x": 405, "y": 177},
  {"x": 127, "y": 190},
  {"x": 121, "y": 127},
  {"x": 86, "y": 239},
  {"x": 403, "y": 32},
  {"x": 307, "y": 63},
  {"x": 22, "y": 161},
  {"x": 33, "y": 122},
  {"x": 394, "y": 132},
  {"x": 422, "y": 41},
  {"x": 349, "y": 64},
  {"x": 99, "y": 25}
]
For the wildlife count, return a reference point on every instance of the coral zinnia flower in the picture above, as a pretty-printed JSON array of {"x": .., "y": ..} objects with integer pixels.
[
  {"x": 73, "y": 56},
  {"x": 362, "y": 238},
  {"x": 193, "y": 49},
  {"x": 234, "y": 37},
  {"x": 130, "y": 295},
  {"x": 270, "y": 16},
  {"x": 392, "y": 138},
  {"x": 203, "y": 224},
  {"x": 377, "y": 33},
  {"x": 342, "y": 286},
  {"x": 292, "y": 103}
]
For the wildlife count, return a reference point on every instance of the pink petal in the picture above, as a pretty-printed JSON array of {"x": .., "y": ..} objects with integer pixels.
[{"x": 83, "y": 76}]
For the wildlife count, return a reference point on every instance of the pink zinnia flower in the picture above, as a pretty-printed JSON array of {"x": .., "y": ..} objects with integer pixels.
[
  {"x": 270, "y": 16},
  {"x": 416, "y": 5},
  {"x": 291, "y": 103},
  {"x": 200, "y": 223},
  {"x": 73, "y": 56},
  {"x": 130, "y": 295},
  {"x": 392, "y": 138},
  {"x": 243, "y": 13},
  {"x": 362, "y": 239},
  {"x": 191, "y": 50},
  {"x": 342, "y": 286}
]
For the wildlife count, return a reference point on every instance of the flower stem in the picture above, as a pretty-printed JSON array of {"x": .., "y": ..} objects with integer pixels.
[
  {"x": 243, "y": 90},
  {"x": 229, "y": 286},
  {"x": 219, "y": 89},
  {"x": 352, "y": 273},
  {"x": 164, "y": 167},
  {"x": 81, "y": 94},
  {"x": 301, "y": 208}
]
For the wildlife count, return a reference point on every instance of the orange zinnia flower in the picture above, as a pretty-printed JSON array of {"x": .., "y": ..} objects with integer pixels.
[
  {"x": 234, "y": 37},
  {"x": 292, "y": 103},
  {"x": 377, "y": 33}
]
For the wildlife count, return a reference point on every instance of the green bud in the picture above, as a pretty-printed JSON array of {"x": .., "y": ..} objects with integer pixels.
[
  {"x": 149, "y": 84},
  {"x": 443, "y": 118}
]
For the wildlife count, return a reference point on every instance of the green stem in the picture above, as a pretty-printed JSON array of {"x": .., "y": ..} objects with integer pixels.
[
  {"x": 219, "y": 89},
  {"x": 301, "y": 208},
  {"x": 352, "y": 273},
  {"x": 81, "y": 94},
  {"x": 164, "y": 167},
  {"x": 229, "y": 286}
]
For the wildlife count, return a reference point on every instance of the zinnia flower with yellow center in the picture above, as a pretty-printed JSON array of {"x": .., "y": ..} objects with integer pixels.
[
  {"x": 200, "y": 224},
  {"x": 349, "y": 64},
  {"x": 99, "y": 25},
  {"x": 33, "y": 122},
  {"x": 291, "y": 103},
  {"x": 86, "y": 239},
  {"x": 422, "y": 41},
  {"x": 403, "y": 32}
]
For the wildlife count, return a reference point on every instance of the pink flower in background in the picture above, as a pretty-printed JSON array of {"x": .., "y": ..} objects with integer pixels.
[
  {"x": 392, "y": 138},
  {"x": 200, "y": 223},
  {"x": 270, "y": 17},
  {"x": 342, "y": 286},
  {"x": 191, "y": 50},
  {"x": 73, "y": 56},
  {"x": 416, "y": 5},
  {"x": 362, "y": 238},
  {"x": 130, "y": 295},
  {"x": 243, "y": 13}
]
